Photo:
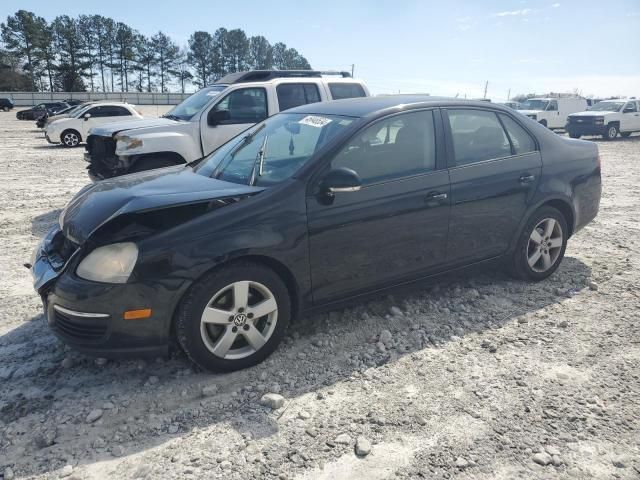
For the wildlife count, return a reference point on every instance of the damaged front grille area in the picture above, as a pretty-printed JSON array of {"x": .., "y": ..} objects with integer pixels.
[{"x": 60, "y": 251}]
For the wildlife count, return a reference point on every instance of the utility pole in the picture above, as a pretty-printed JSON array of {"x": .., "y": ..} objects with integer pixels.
[
  {"x": 486, "y": 85},
  {"x": 353, "y": 67},
  {"x": 509, "y": 95}
]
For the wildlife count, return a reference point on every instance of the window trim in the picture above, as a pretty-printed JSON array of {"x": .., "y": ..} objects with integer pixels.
[
  {"x": 266, "y": 102},
  {"x": 302, "y": 84},
  {"x": 449, "y": 136}
]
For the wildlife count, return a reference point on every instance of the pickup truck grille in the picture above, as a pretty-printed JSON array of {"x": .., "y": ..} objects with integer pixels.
[
  {"x": 582, "y": 120},
  {"x": 101, "y": 150}
]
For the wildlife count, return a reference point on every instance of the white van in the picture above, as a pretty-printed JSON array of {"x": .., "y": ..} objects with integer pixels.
[
  {"x": 552, "y": 112},
  {"x": 209, "y": 118}
]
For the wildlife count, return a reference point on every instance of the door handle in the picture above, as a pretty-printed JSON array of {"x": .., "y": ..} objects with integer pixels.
[
  {"x": 526, "y": 178},
  {"x": 435, "y": 198}
]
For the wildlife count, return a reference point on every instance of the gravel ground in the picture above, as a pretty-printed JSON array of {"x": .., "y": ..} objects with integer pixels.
[{"x": 474, "y": 376}]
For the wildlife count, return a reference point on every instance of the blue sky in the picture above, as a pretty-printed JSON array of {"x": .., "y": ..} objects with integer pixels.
[{"x": 442, "y": 48}]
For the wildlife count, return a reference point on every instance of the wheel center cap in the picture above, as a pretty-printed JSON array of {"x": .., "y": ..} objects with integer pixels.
[{"x": 239, "y": 319}]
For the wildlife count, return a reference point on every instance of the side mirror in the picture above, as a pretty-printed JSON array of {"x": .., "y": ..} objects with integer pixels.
[
  {"x": 341, "y": 180},
  {"x": 216, "y": 117},
  {"x": 87, "y": 116}
]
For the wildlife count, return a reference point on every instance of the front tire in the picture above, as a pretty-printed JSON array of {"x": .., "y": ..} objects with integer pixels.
[
  {"x": 611, "y": 133},
  {"x": 234, "y": 318},
  {"x": 6, "y": 109},
  {"x": 70, "y": 138},
  {"x": 541, "y": 246},
  {"x": 574, "y": 135}
]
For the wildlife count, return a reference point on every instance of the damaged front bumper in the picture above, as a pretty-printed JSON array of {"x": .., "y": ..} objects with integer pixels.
[{"x": 89, "y": 316}]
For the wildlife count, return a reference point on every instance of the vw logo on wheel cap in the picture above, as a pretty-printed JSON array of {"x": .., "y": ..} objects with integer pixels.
[{"x": 239, "y": 319}]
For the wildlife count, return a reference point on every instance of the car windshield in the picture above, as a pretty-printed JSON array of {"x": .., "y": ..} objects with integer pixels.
[
  {"x": 194, "y": 104},
  {"x": 607, "y": 106},
  {"x": 534, "y": 105},
  {"x": 273, "y": 150}
]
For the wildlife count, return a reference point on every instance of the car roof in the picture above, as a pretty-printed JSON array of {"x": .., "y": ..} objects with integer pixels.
[{"x": 366, "y": 106}]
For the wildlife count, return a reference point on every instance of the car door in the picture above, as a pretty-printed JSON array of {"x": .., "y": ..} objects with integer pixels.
[
  {"x": 630, "y": 118},
  {"x": 395, "y": 226},
  {"x": 242, "y": 108},
  {"x": 494, "y": 166}
]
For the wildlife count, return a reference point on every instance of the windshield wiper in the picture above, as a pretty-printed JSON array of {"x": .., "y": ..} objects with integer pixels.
[
  {"x": 245, "y": 141},
  {"x": 171, "y": 117},
  {"x": 259, "y": 163}
]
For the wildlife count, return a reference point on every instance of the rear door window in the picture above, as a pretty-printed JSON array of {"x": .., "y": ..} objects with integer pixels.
[
  {"x": 346, "y": 90},
  {"x": 477, "y": 136},
  {"x": 295, "y": 94},
  {"x": 520, "y": 139}
]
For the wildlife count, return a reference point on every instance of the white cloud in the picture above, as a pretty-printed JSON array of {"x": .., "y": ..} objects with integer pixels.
[
  {"x": 514, "y": 13},
  {"x": 464, "y": 23},
  {"x": 555, "y": 5}
]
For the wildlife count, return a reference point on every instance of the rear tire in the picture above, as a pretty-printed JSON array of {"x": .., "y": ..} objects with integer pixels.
[
  {"x": 6, "y": 109},
  {"x": 611, "y": 133},
  {"x": 70, "y": 138},
  {"x": 541, "y": 246},
  {"x": 247, "y": 309},
  {"x": 151, "y": 163},
  {"x": 574, "y": 135},
  {"x": 625, "y": 134}
]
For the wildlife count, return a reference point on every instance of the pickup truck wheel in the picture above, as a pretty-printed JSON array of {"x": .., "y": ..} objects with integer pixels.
[
  {"x": 151, "y": 163},
  {"x": 541, "y": 245},
  {"x": 234, "y": 317},
  {"x": 543, "y": 123},
  {"x": 574, "y": 135},
  {"x": 70, "y": 138},
  {"x": 611, "y": 133},
  {"x": 625, "y": 134},
  {"x": 6, "y": 109}
]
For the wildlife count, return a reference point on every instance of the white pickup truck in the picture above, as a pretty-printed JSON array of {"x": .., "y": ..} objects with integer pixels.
[
  {"x": 552, "y": 112},
  {"x": 606, "y": 118},
  {"x": 209, "y": 118}
]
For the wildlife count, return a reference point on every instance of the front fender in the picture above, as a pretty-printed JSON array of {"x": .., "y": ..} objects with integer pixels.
[{"x": 176, "y": 142}]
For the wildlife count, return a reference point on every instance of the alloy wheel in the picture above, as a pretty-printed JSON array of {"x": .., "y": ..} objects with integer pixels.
[
  {"x": 70, "y": 139},
  {"x": 545, "y": 245},
  {"x": 239, "y": 320}
]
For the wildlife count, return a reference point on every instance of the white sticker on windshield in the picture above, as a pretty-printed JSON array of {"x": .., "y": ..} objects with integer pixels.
[
  {"x": 213, "y": 94},
  {"x": 315, "y": 121}
]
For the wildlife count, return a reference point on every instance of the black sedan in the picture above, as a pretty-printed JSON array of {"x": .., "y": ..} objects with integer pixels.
[
  {"x": 317, "y": 205},
  {"x": 34, "y": 113}
]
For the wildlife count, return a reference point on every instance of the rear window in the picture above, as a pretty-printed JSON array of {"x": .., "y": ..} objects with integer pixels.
[{"x": 346, "y": 90}]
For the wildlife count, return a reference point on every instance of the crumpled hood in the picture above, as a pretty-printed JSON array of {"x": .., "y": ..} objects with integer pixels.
[
  {"x": 591, "y": 113},
  {"x": 101, "y": 202},
  {"x": 108, "y": 129}
]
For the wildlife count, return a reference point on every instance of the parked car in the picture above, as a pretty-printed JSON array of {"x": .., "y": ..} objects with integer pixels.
[
  {"x": 209, "y": 118},
  {"x": 592, "y": 101},
  {"x": 606, "y": 118},
  {"x": 41, "y": 109},
  {"x": 73, "y": 101},
  {"x": 552, "y": 112},
  {"x": 64, "y": 113},
  {"x": 317, "y": 205},
  {"x": 6, "y": 104},
  {"x": 72, "y": 130}
]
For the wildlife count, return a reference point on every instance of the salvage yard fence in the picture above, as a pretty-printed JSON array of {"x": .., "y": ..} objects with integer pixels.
[{"x": 24, "y": 99}]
